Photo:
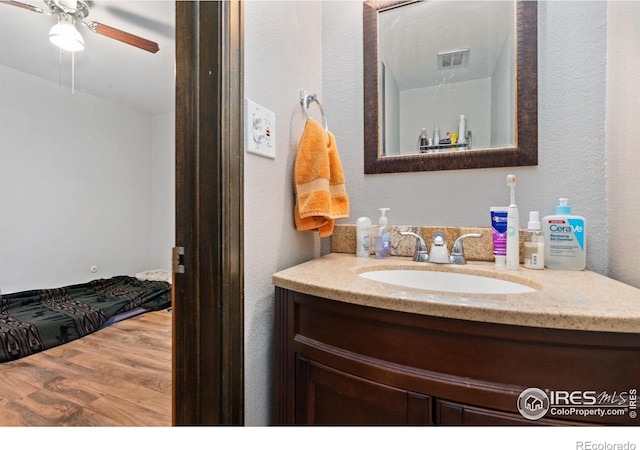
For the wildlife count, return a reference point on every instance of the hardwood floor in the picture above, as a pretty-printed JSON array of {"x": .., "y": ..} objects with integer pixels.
[{"x": 118, "y": 376}]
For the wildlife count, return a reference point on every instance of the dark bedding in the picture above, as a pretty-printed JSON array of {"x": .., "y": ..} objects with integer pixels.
[{"x": 32, "y": 321}]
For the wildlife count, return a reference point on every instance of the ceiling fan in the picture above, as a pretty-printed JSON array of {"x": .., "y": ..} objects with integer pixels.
[{"x": 65, "y": 35}]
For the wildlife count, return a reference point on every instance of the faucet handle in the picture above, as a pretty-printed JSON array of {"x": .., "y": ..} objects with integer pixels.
[
  {"x": 420, "y": 254},
  {"x": 457, "y": 251}
]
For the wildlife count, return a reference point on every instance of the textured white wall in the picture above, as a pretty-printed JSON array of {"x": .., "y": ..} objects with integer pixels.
[
  {"x": 162, "y": 194},
  {"x": 75, "y": 185},
  {"x": 571, "y": 98},
  {"x": 622, "y": 137},
  {"x": 282, "y": 45}
]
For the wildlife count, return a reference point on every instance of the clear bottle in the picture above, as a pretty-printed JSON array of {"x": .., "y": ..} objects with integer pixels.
[
  {"x": 383, "y": 236},
  {"x": 534, "y": 243},
  {"x": 436, "y": 135},
  {"x": 363, "y": 237}
]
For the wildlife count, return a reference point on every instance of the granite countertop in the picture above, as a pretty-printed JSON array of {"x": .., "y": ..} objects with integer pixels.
[{"x": 575, "y": 300}]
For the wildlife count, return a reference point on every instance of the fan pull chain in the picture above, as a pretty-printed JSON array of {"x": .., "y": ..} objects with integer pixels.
[
  {"x": 73, "y": 73},
  {"x": 59, "y": 67}
]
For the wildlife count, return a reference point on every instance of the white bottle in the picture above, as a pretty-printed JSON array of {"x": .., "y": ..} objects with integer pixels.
[
  {"x": 565, "y": 239},
  {"x": 363, "y": 237},
  {"x": 462, "y": 132},
  {"x": 534, "y": 243},
  {"x": 383, "y": 236}
]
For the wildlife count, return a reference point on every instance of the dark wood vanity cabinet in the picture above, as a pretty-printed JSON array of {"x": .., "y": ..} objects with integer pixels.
[
  {"x": 344, "y": 364},
  {"x": 327, "y": 396}
]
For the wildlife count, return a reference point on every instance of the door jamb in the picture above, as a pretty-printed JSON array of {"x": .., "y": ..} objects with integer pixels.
[{"x": 207, "y": 320}]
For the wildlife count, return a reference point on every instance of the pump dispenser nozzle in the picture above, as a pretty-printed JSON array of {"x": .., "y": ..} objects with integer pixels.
[
  {"x": 383, "y": 219},
  {"x": 534, "y": 220},
  {"x": 563, "y": 206}
]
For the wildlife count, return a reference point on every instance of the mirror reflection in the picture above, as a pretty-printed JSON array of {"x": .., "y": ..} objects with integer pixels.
[
  {"x": 449, "y": 85},
  {"x": 447, "y": 76}
]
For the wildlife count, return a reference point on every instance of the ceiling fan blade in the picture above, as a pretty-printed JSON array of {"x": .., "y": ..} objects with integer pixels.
[
  {"x": 123, "y": 36},
  {"x": 23, "y": 6}
]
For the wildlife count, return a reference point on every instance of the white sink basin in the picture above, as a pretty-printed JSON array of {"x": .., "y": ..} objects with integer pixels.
[{"x": 447, "y": 282}]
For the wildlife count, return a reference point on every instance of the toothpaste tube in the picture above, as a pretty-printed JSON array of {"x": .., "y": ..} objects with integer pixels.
[{"x": 499, "y": 229}]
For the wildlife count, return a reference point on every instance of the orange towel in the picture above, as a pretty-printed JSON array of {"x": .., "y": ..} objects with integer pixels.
[{"x": 321, "y": 195}]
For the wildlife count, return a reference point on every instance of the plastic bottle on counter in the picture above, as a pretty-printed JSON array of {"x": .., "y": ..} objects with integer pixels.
[
  {"x": 383, "y": 236},
  {"x": 565, "y": 237},
  {"x": 534, "y": 243},
  {"x": 363, "y": 237}
]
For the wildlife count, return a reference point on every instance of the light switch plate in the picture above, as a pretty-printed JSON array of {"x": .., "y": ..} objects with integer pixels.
[{"x": 260, "y": 130}]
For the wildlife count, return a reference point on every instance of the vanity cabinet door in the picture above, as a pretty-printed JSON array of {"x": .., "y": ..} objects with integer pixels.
[
  {"x": 451, "y": 413},
  {"x": 326, "y": 396}
]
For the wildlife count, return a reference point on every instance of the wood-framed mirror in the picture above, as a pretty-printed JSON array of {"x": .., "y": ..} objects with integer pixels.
[{"x": 522, "y": 150}]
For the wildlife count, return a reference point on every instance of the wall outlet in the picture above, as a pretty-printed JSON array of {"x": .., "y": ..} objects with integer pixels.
[{"x": 260, "y": 130}]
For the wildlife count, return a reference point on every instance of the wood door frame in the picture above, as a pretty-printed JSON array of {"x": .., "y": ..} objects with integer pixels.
[{"x": 208, "y": 344}]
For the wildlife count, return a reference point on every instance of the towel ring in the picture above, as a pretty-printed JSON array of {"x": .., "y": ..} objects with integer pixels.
[{"x": 306, "y": 100}]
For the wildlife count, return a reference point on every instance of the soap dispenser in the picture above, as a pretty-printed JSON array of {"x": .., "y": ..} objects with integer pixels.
[{"x": 383, "y": 236}]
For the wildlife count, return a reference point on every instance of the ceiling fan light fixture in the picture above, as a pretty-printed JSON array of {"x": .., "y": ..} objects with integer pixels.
[{"x": 65, "y": 35}]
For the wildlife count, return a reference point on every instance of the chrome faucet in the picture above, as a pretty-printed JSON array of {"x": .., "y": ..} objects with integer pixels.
[
  {"x": 420, "y": 255},
  {"x": 439, "y": 253}
]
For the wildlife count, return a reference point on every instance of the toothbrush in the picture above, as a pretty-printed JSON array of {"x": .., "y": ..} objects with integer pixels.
[{"x": 513, "y": 228}]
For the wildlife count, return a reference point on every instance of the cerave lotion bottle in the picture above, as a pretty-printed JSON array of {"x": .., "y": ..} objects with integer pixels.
[{"x": 565, "y": 239}]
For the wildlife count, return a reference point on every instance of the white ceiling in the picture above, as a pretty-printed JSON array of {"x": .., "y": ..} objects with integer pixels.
[
  {"x": 411, "y": 37},
  {"x": 106, "y": 68}
]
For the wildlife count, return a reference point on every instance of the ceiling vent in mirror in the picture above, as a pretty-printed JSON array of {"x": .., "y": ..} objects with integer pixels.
[{"x": 454, "y": 59}]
